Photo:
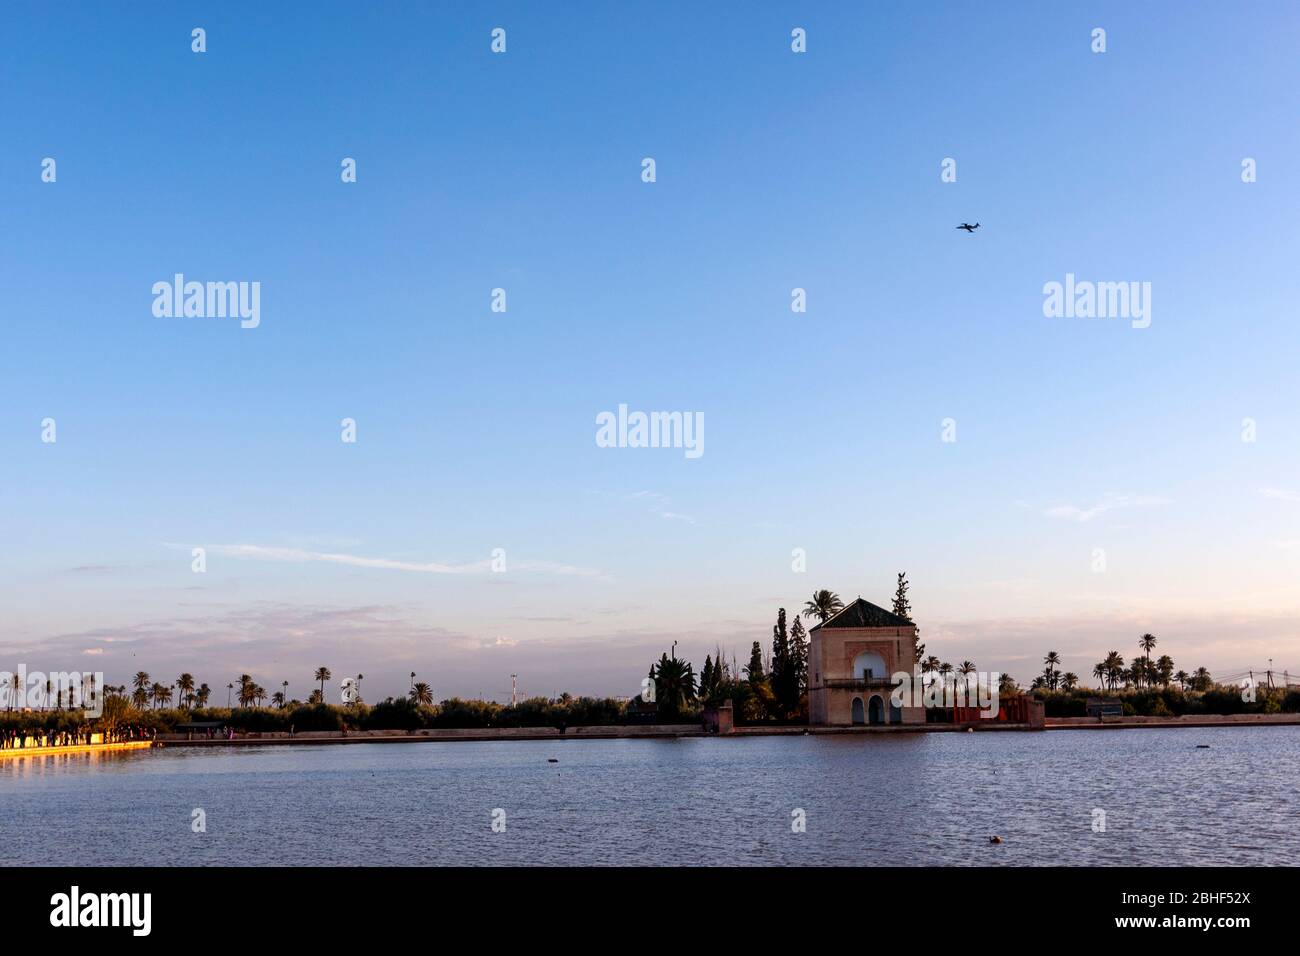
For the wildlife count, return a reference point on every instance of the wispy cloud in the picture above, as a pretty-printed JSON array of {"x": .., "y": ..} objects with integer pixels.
[
  {"x": 659, "y": 502},
  {"x": 259, "y": 552},
  {"x": 298, "y": 556},
  {"x": 1279, "y": 494},
  {"x": 275, "y": 641},
  {"x": 1110, "y": 503},
  {"x": 674, "y": 516},
  {"x": 651, "y": 495}
]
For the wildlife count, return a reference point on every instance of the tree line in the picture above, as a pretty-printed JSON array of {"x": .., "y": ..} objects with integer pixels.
[
  {"x": 1111, "y": 673},
  {"x": 148, "y": 693}
]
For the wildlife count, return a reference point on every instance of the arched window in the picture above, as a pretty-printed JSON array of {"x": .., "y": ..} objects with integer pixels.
[
  {"x": 869, "y": 666},
  {"x": 876, "y": 710},
  {"x": 857, "y": 711}
]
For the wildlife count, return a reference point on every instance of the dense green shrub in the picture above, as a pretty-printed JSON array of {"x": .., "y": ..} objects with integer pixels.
[
  {"x": 1227, "y": 700},
  {"x": 747, "y": 702},
  {"x": 34, "y": 721},
  {"x": 399, "y": 713},
  {"x": 1172, "y": 702},
  {"x": 457, "y": 713},
  {"x": 323, "y": 716}
]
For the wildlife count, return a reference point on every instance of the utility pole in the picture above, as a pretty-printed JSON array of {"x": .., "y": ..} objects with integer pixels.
[{"x": 514, "y": 690}]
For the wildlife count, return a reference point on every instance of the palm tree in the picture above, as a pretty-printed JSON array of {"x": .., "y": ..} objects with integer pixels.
[
  {"x": 1201, "y": 680},
  {"x": 246, "y": 686},
  {"x": 1099, "y": 672},
  {"x": 161, "y": 693},
  {"x": 823, "y": 604},
  {"x": 966, "y": 669},
  {"x": 1069, "y": 681},
  {"x": 1114, "y": 667},
  {"x": 202, "y": 695},
  {"x": 315, "y": 697},
  {"x": 140, "y": 696},
  {"x": 1183, "y": 679},
  {"x": 323, "y": 674},
  {"x": 229, "y": 688},
  {"x": 184, "y": 685},
  {"x": 932, "y": 665},
  {"x": 14, "y": 685},
  {"x": 1165, "y": 669},
  {"x": 674, "y": 684},
  {"x": 1146, "y": 642},
  {"x": 278, "y": 699},
  {"x": 421, "y": 694},
  {"x": 1053, "y": 661},
  {"x": 944, "y": 670},
  {"x": 259, "y": 694}
]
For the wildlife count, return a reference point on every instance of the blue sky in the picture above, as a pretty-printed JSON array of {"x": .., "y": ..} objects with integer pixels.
[{"x": 476, "y": 429}]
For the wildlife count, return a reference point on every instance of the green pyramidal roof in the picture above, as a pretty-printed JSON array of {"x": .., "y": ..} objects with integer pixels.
[{"x": 862, "y": 613}]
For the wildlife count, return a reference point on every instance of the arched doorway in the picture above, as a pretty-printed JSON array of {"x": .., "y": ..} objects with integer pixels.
[
  {"x": 876, "y": 710},
  {"x": 895, "y": 712},
  {"x": 857, "y": 711}
]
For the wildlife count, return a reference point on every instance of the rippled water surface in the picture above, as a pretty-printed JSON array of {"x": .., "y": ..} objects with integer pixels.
[{"x": 878, "y": 800}]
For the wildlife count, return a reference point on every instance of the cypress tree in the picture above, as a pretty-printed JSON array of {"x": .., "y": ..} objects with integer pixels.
[
  {"x": 785, "y": 674},
  {"x": 754, "y": 670},
  {"x": 903, "y": 608},
  {"x": 799, "y": 658}
]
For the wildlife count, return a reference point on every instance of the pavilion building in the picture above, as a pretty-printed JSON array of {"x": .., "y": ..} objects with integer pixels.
[{"x": 852, "y": 657}]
